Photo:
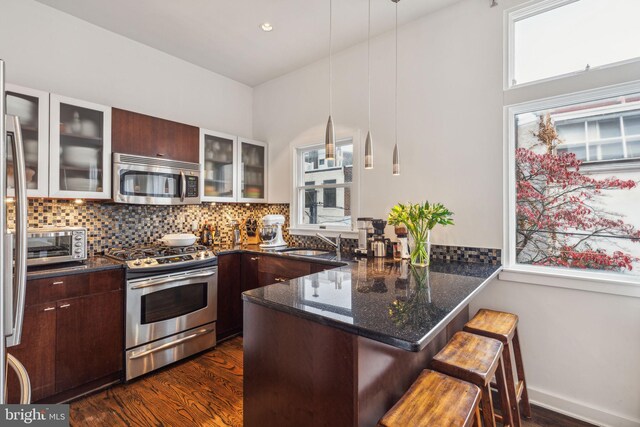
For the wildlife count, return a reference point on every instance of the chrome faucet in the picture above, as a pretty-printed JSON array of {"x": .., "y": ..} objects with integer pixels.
[{"x": 328, "y": 241}]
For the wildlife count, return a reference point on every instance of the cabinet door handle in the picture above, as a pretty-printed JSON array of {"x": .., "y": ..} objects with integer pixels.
[
  {"x": 281, "y": 279},
  {"x": 65, "y": 305},
  {"x": 61, "y": 282},
  {"x": 255, "y": 258},
  {"x": 49, "y": 308},
  {"x": 160, "y": 154}
]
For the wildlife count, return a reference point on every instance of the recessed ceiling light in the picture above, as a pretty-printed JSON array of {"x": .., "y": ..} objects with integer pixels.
[{"x": 266, "y": 27}]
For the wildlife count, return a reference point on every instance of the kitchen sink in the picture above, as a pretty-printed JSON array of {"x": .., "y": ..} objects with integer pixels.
[{"x": 308, "y": 252}]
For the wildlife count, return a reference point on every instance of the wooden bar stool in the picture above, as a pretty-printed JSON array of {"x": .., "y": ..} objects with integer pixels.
[
  {"x": 477, "y": 359},
  {"x": 436, "y": 400},
  {"x": 504, "y": 327}
]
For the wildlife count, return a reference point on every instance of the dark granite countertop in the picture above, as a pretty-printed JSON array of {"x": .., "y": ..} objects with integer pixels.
[
  {"x": 97, "y": 263},
  {"x": 330, "y": 258},
  {"x": 381, "y": 299}
]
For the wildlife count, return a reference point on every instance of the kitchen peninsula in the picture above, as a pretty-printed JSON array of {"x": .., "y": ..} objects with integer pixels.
[{"x": 340, "y": 347}]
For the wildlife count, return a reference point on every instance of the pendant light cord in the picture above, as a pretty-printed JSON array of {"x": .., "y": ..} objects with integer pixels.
[
  {"x": 330, "y": 54},
  {"x": 396, "y": 72},
  {"x": 369, "y": 65}
]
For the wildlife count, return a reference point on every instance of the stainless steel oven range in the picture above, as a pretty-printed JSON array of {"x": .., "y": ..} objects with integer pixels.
[{"x": 171, "y": 305}]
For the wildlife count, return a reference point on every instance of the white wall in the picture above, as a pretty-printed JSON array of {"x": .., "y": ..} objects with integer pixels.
[
  {"x": 55, "y": 52},
  {"x": 446, "y": 143},
  {"x": 581, "y": 349}
]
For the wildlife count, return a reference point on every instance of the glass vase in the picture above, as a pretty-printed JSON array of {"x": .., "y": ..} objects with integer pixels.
[{"x": 421, "y": 250}]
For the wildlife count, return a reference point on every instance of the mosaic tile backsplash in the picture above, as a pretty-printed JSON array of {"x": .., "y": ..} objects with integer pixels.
[{"x": 112, "y": 225}]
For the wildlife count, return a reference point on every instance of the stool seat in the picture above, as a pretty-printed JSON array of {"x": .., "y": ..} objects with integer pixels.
[
  {"x": 504, "y": 327},
  {"x": 494, "y": 324},
  {"x": 435, "y": 400},
  {"x": 477, "y": 359},
  {"x": 469, "y": 357}
]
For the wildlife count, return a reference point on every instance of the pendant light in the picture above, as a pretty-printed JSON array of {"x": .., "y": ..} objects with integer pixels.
[
  {"x": 330, "y": 136},
  {"x": 396, "y": 153},
  {"x": 368, "y": 144}
]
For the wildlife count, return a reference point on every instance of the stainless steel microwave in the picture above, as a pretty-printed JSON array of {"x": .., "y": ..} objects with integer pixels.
[
  {"x": 52, "y": 245},
  {"x": 151, "y": 181}
]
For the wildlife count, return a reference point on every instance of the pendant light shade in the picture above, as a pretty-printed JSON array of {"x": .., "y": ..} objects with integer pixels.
[
  {"x": 330, "y": 141},
  {"x": 396, "y": 160},
  {"x": 368, "y": 144},
  {"x": 330, "y": 137},
  {"x": 368, "y": 152}
]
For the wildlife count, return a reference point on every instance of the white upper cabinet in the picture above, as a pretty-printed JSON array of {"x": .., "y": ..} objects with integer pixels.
[
  {"x": 233, "y": 169},
  {"x": 218, "y": 165},
  {"x": 253, "y": 171},
  {"x": 80, "y": 147},
  {"x": 32, "y": 107}
]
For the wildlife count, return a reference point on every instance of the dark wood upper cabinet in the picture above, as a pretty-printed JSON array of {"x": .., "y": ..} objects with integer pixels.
[{"x": 134, "y": 133}]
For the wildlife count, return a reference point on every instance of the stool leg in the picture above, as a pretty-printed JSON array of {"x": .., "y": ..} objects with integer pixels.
[
  {"x": 511, "y": 386},
  {"x": 477, "y": 420},
  {"x": 504, "y": 396},
  {"x": 487, "y": 407},
  {"x": 526, "y": 406}
]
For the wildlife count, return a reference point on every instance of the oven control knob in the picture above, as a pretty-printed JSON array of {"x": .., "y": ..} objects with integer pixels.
[
  {"x": 205, "y": 254},
  {"x": 148, "y": 261},
  {"x": 78, "y": 237},
  {"x": 137, "y": 262},
  {"x": 77, "y": 244}
]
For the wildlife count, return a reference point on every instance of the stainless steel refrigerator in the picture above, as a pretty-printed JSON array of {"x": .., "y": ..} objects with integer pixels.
[{"x": 13, "y": 250}]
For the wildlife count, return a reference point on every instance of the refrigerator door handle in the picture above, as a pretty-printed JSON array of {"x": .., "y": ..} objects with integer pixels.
[
  {"x": 8, "y": 285},
  {"x": 21, "y": 232},
  {"x": 25, "y": 384}
]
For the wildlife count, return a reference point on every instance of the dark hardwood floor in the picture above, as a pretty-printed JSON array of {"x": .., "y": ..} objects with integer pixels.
[{"x": 202, "y": 391}]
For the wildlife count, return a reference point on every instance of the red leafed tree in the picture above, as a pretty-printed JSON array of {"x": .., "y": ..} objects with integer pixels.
[{"x": 558, "y": 213}]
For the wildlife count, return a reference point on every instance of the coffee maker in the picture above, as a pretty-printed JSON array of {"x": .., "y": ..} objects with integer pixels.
[
  {"x": 365, "y": 232},
  {"x": 380, "y": 243}
]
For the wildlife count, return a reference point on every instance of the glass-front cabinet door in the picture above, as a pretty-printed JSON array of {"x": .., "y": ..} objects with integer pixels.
[
  {"x": 218, "y": 160},
  {"x": 80, "y": 143},
  {"x": 32, "y": 107},
  {"x": 253, "y": 171}
]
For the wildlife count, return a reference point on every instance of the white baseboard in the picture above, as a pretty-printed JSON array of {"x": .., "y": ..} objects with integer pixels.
[{"x": 579, "y": 410}]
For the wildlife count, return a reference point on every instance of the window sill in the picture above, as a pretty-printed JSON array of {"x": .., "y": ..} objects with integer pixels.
[
  {"x": 587, "y": 282},
  {"x": 329, "y": 232}
]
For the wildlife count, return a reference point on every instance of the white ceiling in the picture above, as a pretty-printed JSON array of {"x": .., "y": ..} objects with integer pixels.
[{"x": 224, "y": 36}]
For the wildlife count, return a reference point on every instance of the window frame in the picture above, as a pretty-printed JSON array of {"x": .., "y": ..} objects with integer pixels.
[
  {"x": 611, "y": 282},
  {"x": 529, "y": 9},
  {"x": 297, "y": 226}
]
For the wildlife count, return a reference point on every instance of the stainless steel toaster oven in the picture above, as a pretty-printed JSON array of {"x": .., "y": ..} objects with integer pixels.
[{"x": 51, "y": 245}]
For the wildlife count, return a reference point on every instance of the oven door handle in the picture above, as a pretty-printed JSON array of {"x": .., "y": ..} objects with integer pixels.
[
  {"x": 171, "y": 344},
  {"x": 162, "y": 281},
  {"x": 183, "y": 186}
]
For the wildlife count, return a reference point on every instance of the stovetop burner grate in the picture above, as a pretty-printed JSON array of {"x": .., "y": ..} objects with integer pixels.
[{"x": 133, "y": 253}]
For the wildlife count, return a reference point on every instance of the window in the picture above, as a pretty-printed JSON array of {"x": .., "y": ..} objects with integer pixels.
[
  {"x": 323, "y": 188},
  {"x": 557, "y": 37},
  {"x": 610, "y": 134},
  {"x": 329, "y": 194},
  {"x": 564, "y": 214}
]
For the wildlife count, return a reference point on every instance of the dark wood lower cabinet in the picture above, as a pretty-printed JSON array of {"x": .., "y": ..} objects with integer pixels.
[
  {"x": 89, "y": 339},
  {"x": 37, "y": 352},
  {"x": 229, "y": 303},
  {"x": 73, "y": 335},
  {"x": 239, "y": 272}
]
